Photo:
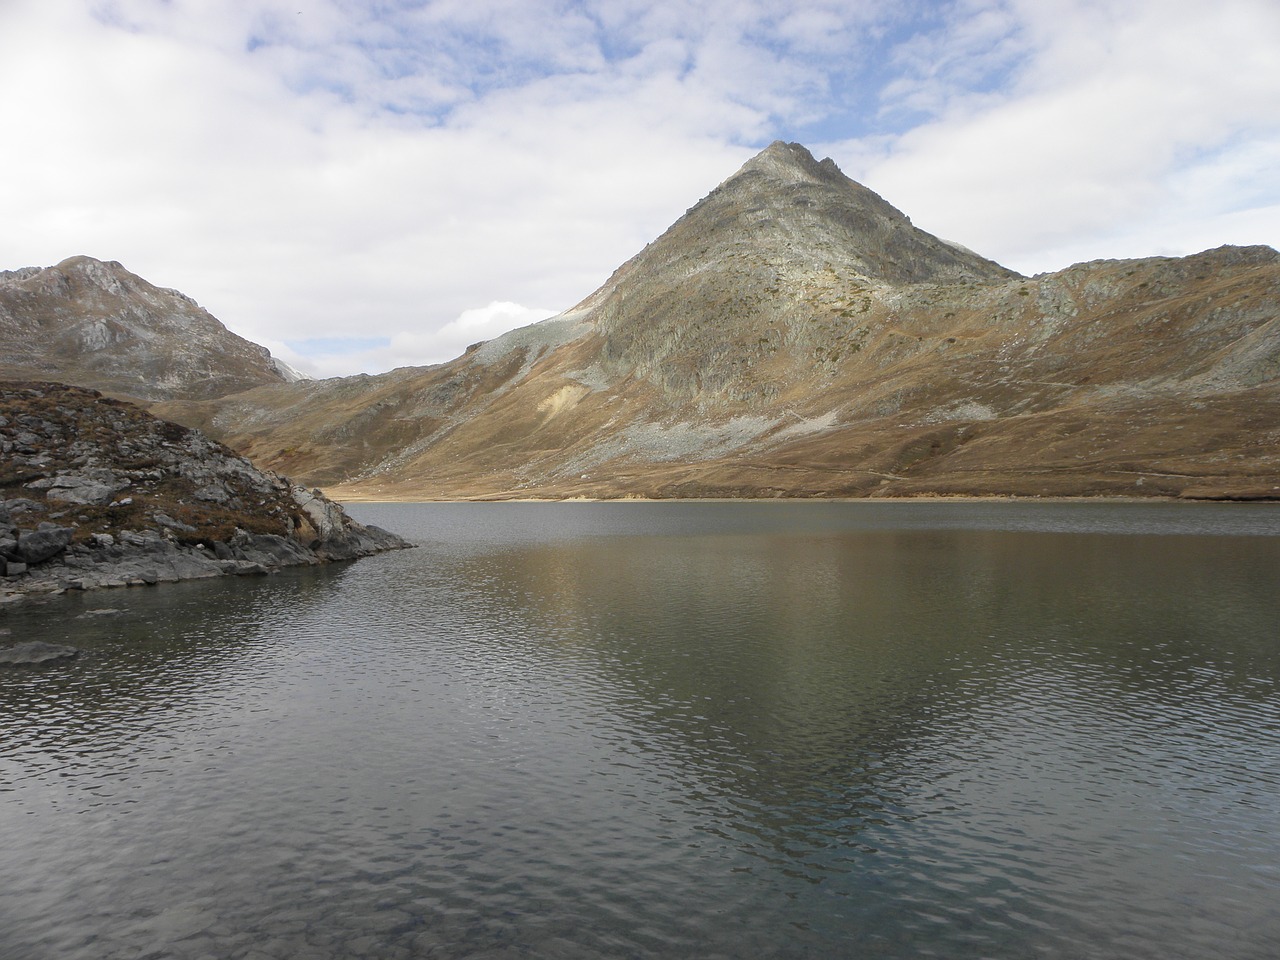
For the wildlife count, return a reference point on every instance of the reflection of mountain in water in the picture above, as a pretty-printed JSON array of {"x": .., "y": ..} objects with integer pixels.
[
  {"x": 584, "y": 730},
  {"x": 822, "y": 686}
]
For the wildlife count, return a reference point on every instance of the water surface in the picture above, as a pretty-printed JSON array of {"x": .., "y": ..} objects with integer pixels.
[{"x": 673, "y": 729}]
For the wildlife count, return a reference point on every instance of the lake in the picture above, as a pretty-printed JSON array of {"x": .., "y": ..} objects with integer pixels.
[{"x": 642, "y": 730}]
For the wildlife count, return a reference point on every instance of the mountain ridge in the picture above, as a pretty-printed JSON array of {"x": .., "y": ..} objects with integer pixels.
[
  {"x": 1052, "y": 399},
  {"x": 793, "y": 334},
  {"x": 95, "y": 323}
]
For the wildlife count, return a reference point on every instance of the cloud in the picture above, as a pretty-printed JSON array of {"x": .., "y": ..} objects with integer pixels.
[
  {"x": 247, "y": 156},
  {"x": 1107, "y": 131},
  {"x": 337, "y": 356}
]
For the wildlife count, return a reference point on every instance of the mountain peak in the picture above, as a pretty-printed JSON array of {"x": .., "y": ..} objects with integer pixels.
[
  {"x": 94, "y": 323},
  {"x": 784, "y": 209},
  {"x": 85, "y": 263},
  {"x": 784, "y": 244},
  {"x": 110, "y": 276},
  {"x": 791, "y": 162}
]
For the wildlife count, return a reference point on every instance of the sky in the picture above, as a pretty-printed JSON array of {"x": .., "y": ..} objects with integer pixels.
[{"x": 365, "y": 184}]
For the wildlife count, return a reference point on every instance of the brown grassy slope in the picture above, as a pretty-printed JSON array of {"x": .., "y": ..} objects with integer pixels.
[{"x": 1153, "y": 377}]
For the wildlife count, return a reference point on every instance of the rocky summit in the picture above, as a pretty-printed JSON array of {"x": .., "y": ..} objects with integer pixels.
[
  {"x": 95, "y": 324},
  {"x": 795, "y": 335},
  {"x": 95, "y": 492}
]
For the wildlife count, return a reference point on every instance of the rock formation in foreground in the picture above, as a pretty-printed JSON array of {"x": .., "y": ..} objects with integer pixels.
[{"x": 95, "y": 492}]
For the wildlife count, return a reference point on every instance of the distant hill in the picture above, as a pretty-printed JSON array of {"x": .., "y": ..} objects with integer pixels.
[
  {"x": 97, "y": 325},
  {"x": 795, "y": 335}
]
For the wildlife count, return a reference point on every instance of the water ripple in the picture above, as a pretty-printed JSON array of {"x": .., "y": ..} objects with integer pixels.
[{"x": 634, "y": 733}]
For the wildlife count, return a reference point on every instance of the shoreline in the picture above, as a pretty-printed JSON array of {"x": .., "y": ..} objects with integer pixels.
[
  {"x": 145, "y": 558},
  {"x": 934, "y": 498},
  {"x": 148, "y": 559}
]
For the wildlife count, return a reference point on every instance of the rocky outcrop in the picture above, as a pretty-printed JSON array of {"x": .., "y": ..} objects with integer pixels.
[
  {"x": 95, "y": 492},
  {"x": 95, "y": 324}
]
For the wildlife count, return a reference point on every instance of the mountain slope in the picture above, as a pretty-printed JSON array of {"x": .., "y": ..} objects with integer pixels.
[
  {"x": 786, "y": 249},
  {"x": 794, "y": 335},
  {"x": 97, "y": 325}
]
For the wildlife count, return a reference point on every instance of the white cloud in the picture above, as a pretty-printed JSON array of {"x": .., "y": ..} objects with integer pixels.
[
  {"x": 409, "y": 348},
  {"x": 320, "y": 169},
  {"x": 1113, "y": 117},
  {"x": 296, "y": 215}
]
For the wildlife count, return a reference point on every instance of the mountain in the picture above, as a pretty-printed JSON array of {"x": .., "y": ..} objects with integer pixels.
[
  {"x": 793, "y": 334},
  {"x": 788, "y": 249},
  {"x": 97, "y": 325}
]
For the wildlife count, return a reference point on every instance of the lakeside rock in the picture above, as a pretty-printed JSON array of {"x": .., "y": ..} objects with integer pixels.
[
  {"x": 95, "y": 493},
  {"x": 35, "y": 652}
]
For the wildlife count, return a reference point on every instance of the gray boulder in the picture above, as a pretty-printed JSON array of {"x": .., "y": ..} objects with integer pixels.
[
  {"x": 44, "y": 543},
  {"x": 21, "y": 505},
  {"x": 35, "y": 651},
  {"x": 165, "y": 520},
  {"x": 88, "y": 494},
  {"x": 213, "y": 493},
  {"x": 90, "y": 489},
  {"x": 326, "y": 517},
  {"x": 270, "y": 550}
]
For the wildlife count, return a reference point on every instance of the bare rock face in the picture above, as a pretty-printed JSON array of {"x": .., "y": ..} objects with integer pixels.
[
  {"x": 96, "y": 492},
  {"x": 787, "y": 250},
  {"x": 95, "y": 324}
]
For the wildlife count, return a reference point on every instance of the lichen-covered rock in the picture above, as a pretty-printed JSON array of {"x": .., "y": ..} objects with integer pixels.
[{"x": 93, "y": 487}]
